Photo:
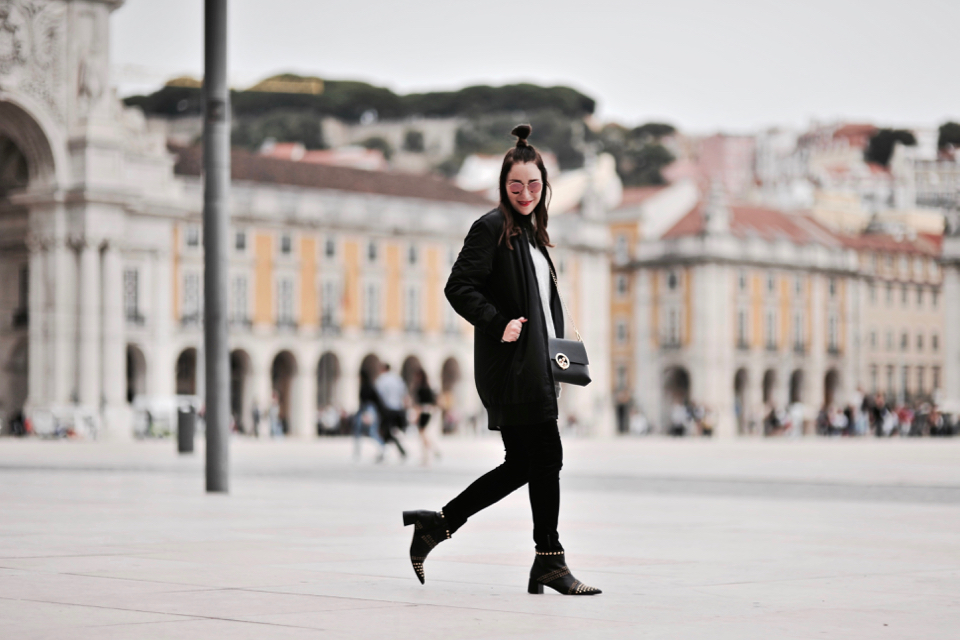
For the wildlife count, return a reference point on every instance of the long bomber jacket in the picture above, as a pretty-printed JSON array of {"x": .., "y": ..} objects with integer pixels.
[{"x": 489, "y": 286}]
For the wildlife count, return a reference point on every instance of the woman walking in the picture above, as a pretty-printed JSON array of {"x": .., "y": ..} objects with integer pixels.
[
  {"x": 426, "y": 402},
  {"x": 502, "y": 284}
]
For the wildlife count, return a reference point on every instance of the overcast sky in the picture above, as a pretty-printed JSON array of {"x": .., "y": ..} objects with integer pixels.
[{"x": 703, "y": 65}]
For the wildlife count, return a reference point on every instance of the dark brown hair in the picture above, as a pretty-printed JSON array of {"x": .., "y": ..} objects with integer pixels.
[{"x": 522, "y": 153}]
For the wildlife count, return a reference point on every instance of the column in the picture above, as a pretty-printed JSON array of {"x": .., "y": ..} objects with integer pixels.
[
  {"x": 160, "y": 380},
  {"x": 61, "y": 325},
  {"x": 713, "y": 344},
  {"x": 950, "y": 299},
  {"x": 117, "y": 415},
  {"x": 88, "y": 345},
  {"x": 817, "y": 368},
  {"x": 38, "y": 388}
]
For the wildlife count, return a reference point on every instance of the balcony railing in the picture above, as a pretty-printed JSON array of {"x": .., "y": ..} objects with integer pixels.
[
  {"x": 329, "y": 325},
  {"x": 134, "y": 317},
  {"x": 743, "y": 345},
  {"x": 799, "y": 348},
  {"x": 241, "y": 322},
  {"x": 194, "y": 319},
  {"x": 286, "y": 324}
]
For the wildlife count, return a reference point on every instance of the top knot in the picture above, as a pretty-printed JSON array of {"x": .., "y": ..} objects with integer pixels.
[{"x": 522, "y": 131}]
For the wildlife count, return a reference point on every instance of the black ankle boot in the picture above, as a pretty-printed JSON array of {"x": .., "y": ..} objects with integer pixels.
[
  {"x": 550, "y": 569},
  {"x": 430, "y": 529}
]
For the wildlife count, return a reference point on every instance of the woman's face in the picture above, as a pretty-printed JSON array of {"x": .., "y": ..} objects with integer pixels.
[{"x": 520, "y": 178}]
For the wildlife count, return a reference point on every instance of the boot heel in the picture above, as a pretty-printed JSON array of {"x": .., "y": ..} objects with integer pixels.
[
  {"x": 535, "y": 587},
  {"x": 409, "y": 518}
]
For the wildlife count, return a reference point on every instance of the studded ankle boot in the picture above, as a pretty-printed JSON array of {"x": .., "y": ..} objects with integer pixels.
[
  {"x": 430, "y": 529},
  {"x": 550, "y": 569}
]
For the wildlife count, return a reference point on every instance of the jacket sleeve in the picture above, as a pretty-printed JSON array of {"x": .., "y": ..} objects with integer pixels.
[{"x": 467, "y": 278}]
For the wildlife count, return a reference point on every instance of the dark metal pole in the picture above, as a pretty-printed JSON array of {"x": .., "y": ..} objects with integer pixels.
[{"x": 216, "y": 188}]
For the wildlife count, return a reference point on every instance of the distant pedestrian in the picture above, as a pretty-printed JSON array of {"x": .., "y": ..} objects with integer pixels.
[
  {"x": 255, "y": 416},
  {"x": 426, "y": 403},
  {"x": 503, "y": 283},
  {"x": 366, "y": 422},
  {"x": 393, "y": 394},
  {"x": 273, "y": 415}
]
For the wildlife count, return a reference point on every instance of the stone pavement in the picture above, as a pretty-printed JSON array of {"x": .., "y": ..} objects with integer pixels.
[{"x": 688, "y": 539}]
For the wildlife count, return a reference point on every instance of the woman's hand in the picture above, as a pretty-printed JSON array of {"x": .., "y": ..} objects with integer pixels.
[{"x": 512, "y": 332}]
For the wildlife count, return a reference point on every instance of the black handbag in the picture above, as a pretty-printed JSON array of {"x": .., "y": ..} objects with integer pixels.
[{"x": 568, "y": 358}]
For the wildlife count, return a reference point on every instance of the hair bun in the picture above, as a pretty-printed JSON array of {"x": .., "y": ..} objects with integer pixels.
[{"x": 522, "y": 131}]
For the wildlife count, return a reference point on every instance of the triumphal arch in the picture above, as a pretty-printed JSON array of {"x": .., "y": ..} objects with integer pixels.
[{"x": 73, "y": 164}]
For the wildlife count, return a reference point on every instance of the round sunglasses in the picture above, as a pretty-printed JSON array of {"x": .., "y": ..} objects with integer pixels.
[{"x": 516, "y": 188}]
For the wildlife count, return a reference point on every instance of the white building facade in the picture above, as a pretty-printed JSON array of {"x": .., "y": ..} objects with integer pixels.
[{"x": 101, "y": 300}]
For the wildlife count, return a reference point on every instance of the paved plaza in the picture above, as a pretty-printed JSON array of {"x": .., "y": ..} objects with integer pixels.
[{"x": 812, "y": 538}]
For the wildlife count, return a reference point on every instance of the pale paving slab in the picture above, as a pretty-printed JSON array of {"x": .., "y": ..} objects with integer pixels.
[{"x": 688, "y": 540}]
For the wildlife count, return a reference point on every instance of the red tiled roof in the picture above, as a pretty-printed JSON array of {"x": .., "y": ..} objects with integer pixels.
[
  {"x": 637, "y": 195},
  {"x": 747, "y": 220},
  {"x": 856, "y": 134},
  {"x": 251, "y": 167},
  {"x": 923, "y": 244},
  {"x": 771, "y": 224}
]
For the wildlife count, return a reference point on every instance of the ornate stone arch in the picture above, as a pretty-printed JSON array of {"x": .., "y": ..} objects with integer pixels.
[{"x": 37, "y": 138}]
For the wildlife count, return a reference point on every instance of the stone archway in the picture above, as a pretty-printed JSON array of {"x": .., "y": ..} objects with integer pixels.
[
  {"x": 283, "y": 374},
  {"x": 741, "y": 381},
  {"x": 22, "y": 130},
  {"x": 796, "y": 386},
  {"x": 831, "y": 383},
  {"x": 328, "y": 381},
  {"x": 676, "y": 396},
  {"x": 408, "y": 371},
  {"x": 449, "y": 374},
  {"x": 240, "y": 371},
  {"x": 186, "y": 373},
  {"x": 371, "y": 364},
  {"x": 17, "y": 371},
  {"x": 14, "y": 171},
  {"x": 136, "y": 373},
  {"x": 769, "y": 387}
]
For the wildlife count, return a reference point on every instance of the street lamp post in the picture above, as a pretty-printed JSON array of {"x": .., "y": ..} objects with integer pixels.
[{"x": 216, "y": 186}]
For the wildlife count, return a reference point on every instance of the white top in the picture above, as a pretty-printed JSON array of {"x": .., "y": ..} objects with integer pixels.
[
  {"x": 544, "y": 278},
  {"x": 392, "y": 390}
]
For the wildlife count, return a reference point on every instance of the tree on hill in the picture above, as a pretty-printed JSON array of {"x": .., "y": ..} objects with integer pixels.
[
  {"x": 280, "y": 126},
  {"x": 639, "y": 153},
  {"x": 348, "y": 100},
  {"x": 949, "y": 136},
  {"x": 654, "y": 131},
  {"x": 880, "y": 148},
  {"x": 413, "y": 141},
  {"x": 376, "y": 142},
  {"x": 552, "y": 132}
]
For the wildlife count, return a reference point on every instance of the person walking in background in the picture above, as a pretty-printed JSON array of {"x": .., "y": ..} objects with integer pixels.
[
  {"x": 255, "y": 418},
  {"x": 503, "y": 284},
  {"x": 273, "y": 415},
  {"x": 393, "y": 394},
  {"x": 426, "y": 402},
  {"x": 366, "y": 422}
]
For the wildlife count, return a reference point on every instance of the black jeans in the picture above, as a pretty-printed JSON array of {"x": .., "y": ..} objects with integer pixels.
[{"x": 533, "y": 456}]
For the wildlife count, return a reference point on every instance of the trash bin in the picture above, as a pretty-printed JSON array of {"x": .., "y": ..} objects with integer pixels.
[{"x": 186, "y": 428}]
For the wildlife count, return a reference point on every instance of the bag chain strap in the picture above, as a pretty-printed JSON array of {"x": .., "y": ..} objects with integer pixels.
[{"x": 564, "y": 303}]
